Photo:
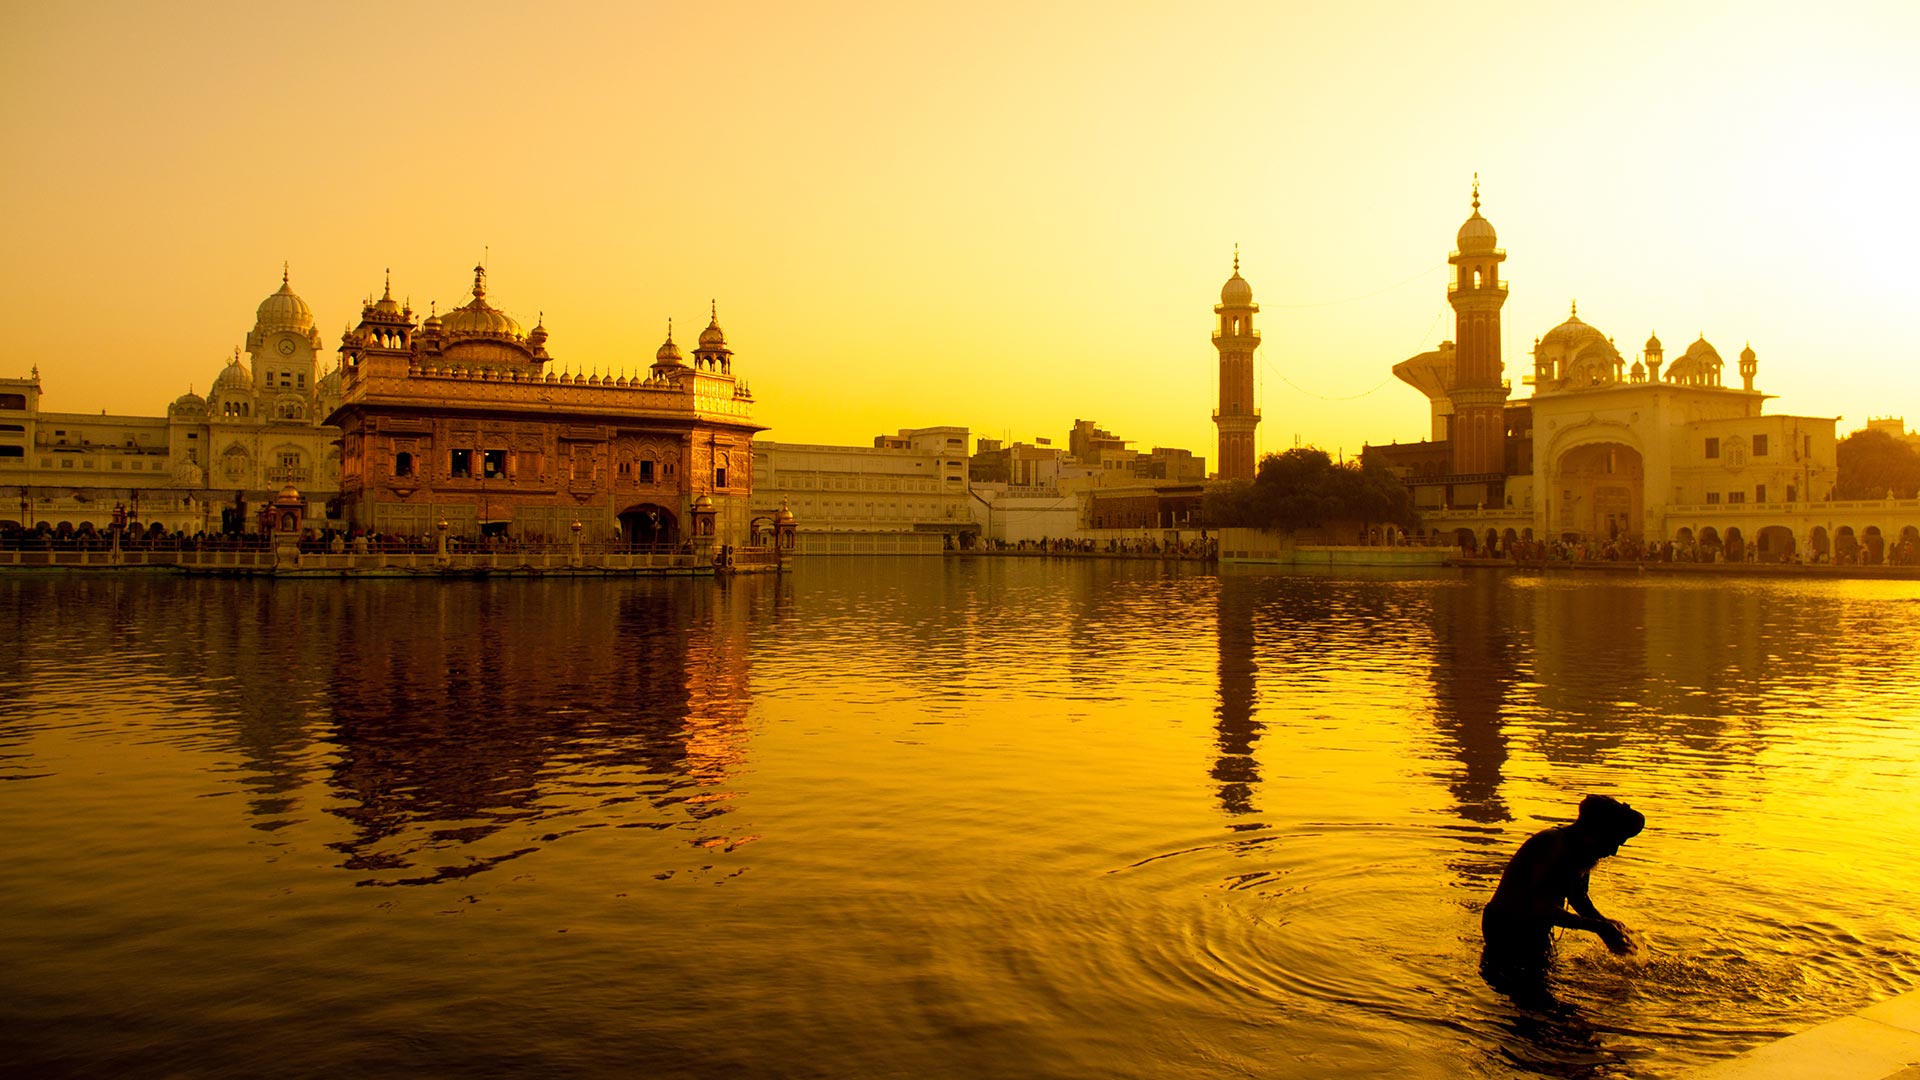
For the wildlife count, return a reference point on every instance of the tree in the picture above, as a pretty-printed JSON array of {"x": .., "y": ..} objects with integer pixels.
[
  {"x": 1872, "y": 464},
  {"x": 1303, "y": 488}
]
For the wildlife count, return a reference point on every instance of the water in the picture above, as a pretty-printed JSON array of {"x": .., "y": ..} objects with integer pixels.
[{"x": 912, "y": 818}]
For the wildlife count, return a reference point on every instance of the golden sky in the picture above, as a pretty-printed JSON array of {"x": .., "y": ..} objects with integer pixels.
[{"x": 1004, "y": 216}]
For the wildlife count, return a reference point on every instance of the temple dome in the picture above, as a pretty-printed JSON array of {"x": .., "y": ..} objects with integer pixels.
[
  {"x": 477, "y": 318},
  {"x": 188, "y": 402},
  {"x": 669, "y": 353},
  {"x": 284, "y": 311},
  {"x": 1572, "y": 334}
]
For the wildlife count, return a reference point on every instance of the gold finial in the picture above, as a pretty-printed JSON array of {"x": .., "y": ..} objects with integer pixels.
[
  {"x": 389, "y": 294},
  {"x": 480, "y": 282},
  {"x": 1575, "y": 313},
  {"x": 1476, "y": 192},
  {"x": 1236, "y": 258},
  {"x": 713, "y": 306},
  {"x": 284, "y": 270},
  {"x": 669, "y": 329}
]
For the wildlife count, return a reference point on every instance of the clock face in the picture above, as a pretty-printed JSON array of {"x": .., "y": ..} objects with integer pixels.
[{"x": 286, "y": 346}]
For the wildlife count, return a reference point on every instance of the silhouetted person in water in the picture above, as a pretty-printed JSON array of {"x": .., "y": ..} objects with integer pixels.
[{"x": 1547, "y": 874}]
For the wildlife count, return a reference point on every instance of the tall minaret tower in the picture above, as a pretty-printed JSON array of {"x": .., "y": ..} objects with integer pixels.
[
  {"x": 1479, "y": 396},
  {"x": 1236, "y": 339}
]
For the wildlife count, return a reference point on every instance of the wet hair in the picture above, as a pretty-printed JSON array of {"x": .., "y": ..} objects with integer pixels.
[{"x": 1611, "y": 818}]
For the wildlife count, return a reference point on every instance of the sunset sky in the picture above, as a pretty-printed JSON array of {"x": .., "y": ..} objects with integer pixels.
[{"x": 1000, "y": 216}]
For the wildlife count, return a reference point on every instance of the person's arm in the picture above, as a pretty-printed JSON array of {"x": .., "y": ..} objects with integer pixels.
[{"x": 1587, "y": 917}]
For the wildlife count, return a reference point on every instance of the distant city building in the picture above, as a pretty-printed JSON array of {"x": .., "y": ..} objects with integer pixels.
[
  {"x": 209, "y": 463},
  {"x": 1894, "y": 426},
  {"x": 904, "y": 495},
  {"x": 1236, "y": 339},
  {"x": 463, "y": 419},
  {"x": 1604, "y": 450}
]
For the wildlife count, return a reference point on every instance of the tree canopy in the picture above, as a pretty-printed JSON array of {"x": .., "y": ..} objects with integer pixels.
[
  {"x": 1303, "y": 488},
  {"x": 1871, "y": 464}
]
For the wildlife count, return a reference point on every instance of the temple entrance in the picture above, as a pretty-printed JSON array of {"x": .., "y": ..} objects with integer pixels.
[
  {"x": 648, "y": 527},
  {"x": 1599, "y": 489}
]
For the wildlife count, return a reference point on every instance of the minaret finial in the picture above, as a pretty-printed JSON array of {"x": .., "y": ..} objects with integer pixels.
[
  {"x": 1236, "y": 258},
  {"x": 480, "y": 281},
  {"x": 713, "y": 308},
  {"x": 1575, "y": 313},
  {"x": 669, "y": 328},
  {"x": 284, "y": 270},
  {"x": 1476, "y": 192},
  {"x": 389, "y": 292}
]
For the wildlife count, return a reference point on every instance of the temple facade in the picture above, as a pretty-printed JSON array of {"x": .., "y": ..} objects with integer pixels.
[{"x": 462, "y": 418}]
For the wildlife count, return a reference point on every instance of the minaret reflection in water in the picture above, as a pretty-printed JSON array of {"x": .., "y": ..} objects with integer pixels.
[{"x": 1235, "y": 768}]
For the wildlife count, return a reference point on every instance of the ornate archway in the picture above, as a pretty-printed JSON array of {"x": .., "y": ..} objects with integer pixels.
[
  {"x": 649, "y": 527},
  {"x": 1599, "y": 488}
]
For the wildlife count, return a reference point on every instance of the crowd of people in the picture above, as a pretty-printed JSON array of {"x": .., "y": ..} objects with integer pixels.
[{"x": 1202, "y": 547}]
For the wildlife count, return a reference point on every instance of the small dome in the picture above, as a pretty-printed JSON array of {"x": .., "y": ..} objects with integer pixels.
[
  {"x": 188, "y": 402},
  {"x": 1476, "y": 235},
  {"x": 712, "y": 335},
  {"x": 387, "y": 305},
  {"x": 1747, "y": 354},
  {"x": 703, "y": 502},
  {"x": 1653, "y": 343},
  {"x": 783, "y": 515},
  {"x": 538, "y": 335},
  {"x": 1236, "y": 292},
  {"x": 234, "y": 378},
  {"x": 1701, "y": 350},
  {"x": 284, "y": 310},
  {"x": 669, "y": 353},
  {"x": 289, "y": 494}
]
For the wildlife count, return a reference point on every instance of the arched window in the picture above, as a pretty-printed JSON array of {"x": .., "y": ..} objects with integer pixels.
[{"x": 403, "y": 464}]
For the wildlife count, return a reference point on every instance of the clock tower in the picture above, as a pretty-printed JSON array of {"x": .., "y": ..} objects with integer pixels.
[{"x": 284, "y": 343}]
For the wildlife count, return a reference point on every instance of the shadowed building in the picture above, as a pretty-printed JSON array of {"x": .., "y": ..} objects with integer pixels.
[
  {"x": 1607, "y": 451},
  {"x": 462, "y": 419}
]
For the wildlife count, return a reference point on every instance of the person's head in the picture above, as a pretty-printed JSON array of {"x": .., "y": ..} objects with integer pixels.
[{"x": 1609, "y": 822}]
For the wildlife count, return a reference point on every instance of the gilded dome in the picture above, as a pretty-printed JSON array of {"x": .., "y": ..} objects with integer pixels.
[
  {"x": 284, "y": 310},
  {"x": 1747, "y": 354},
  {"x": 479, "y": 319},
  {"x": 188, "y": 402},
  {"x": 713, "y": 335},
  {"x": 386, "y": 305},
  {"x": 1653, "y": 343},
  {"x": 669, "y": 353}
]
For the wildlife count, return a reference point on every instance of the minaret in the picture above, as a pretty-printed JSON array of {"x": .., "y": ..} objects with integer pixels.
[
  {"x": 1236, "y": 339},
  {"x": 1749, "y": 367},
  {"x": 1479, "y": 396}
]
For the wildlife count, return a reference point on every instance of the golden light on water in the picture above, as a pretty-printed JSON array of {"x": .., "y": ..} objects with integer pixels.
[{"x": 1000, "y": 217}]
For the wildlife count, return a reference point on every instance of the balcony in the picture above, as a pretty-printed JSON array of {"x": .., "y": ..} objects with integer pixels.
[{"x": 289, "y": 474}]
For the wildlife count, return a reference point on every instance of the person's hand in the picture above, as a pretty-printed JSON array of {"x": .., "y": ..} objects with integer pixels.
[{"x": 1614, "y": 933}]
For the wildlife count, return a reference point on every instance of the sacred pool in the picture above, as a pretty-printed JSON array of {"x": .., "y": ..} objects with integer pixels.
[{"x": 923, "y": 817}]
